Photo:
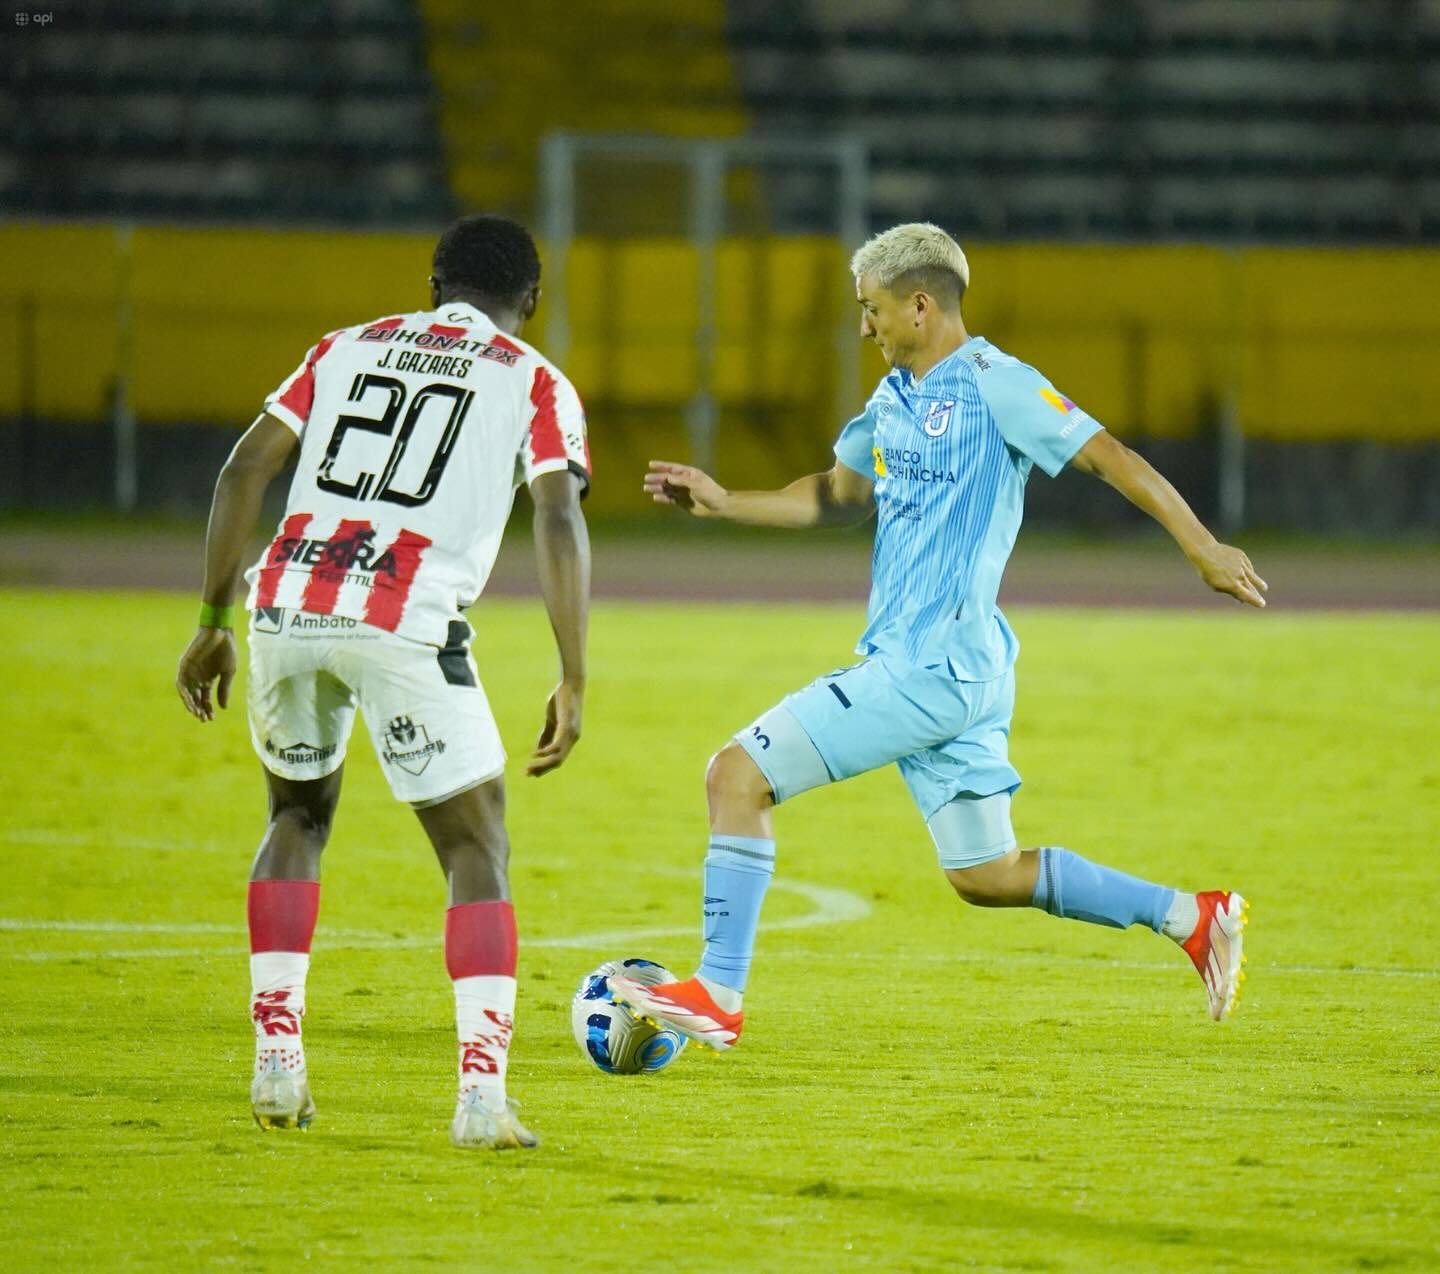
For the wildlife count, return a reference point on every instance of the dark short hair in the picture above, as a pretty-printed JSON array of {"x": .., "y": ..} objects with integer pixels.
[{"x": 493, "y": 256}]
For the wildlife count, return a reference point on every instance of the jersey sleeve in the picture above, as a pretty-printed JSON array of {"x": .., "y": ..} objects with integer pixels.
[
  {"x": 855, "y": 447},
  {"x": 1034, "y": 417},
  {"x": 291, "y": 402},
  {"x": 555, "y": 437}
]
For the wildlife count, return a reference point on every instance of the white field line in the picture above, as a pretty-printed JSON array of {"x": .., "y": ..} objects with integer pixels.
[
  {"x": 123, "y": 926},
  {"x": 831, "y": 906},
  {"x": 103, "y": 840}
]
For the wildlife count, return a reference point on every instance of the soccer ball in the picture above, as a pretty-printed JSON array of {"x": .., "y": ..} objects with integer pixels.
[{"x": 610, "y": 1035}]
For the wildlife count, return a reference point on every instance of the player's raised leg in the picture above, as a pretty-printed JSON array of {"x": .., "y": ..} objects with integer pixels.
[
  {"x": 283, "y": 902},
  {"x": 978, "y": 853},
  {"x": 468, "y": 833}
]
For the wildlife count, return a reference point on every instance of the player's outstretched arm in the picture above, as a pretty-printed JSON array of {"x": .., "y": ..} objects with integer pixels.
[
  {"x": 210, "y": 657},
  {"x": 562, "y": 553},
  {"x": 1222, "y": 567},
  {"x": 838, "y": 497}
]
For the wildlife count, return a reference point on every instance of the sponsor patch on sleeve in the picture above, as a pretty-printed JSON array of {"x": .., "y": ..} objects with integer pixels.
[{"x": 1057, "y": 401}]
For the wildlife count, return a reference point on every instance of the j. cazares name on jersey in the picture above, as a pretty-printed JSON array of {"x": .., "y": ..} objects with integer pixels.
[{"x": 419, "y": 360}]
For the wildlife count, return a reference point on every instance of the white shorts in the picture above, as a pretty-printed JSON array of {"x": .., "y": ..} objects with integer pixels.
[{"x": 428, "y": 716}]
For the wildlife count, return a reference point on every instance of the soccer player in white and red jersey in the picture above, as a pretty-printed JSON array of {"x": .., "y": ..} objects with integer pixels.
[{"x": 413, "y": 433}]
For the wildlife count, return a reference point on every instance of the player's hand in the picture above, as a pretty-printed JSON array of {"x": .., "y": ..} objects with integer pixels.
[
  {"x": 208, "y": 659},
  {"x": 561, "y": 732},
  {"x": 685, "y": 486},
  {"x": 1228, "y": 570}
]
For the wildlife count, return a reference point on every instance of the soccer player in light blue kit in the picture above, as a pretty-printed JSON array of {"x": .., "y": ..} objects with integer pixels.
[{"x": 941, "y": 454}]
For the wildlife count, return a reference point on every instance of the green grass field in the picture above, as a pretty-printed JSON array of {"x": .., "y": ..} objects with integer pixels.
[{"x": 922, "y": 1086}]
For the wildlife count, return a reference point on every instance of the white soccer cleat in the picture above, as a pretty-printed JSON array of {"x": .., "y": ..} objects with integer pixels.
[
  {"x": 681, "y": 1006},
  {"x": 1216, "y": 948},
  {"x": 280, "y": 1097},
  {"x": 480, "y": 1126}
]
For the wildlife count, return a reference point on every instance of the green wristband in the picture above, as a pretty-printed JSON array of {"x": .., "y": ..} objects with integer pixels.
[{"x": 216, "y": 616}]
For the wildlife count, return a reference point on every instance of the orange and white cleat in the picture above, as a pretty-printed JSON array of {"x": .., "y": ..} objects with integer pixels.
[
  {"x": 1216, "y": 948},
  {"x": 680, "y": 1006}
]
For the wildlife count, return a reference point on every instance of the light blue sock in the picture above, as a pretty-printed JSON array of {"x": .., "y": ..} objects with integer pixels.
[
  {"x": 737, "y": 873},
  {"x": 1077, "y": 889}
]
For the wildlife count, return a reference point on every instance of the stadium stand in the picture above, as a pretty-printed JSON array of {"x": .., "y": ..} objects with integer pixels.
[
  {"x": 606, "y": 66},
  {"x": 1302, "y": 120},
  {"x": 1189, "y": 212},
  {"x": 226, "y": 110},
  {"x": 1306, "y": 120}
]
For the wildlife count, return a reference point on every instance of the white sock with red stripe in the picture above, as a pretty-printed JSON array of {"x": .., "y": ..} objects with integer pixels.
[
  {"x": 480, "y": 950},
  {"x": 282, "y": 922}
]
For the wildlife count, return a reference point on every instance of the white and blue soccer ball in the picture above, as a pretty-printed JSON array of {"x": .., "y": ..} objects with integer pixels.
[{"x": 609, "y": 1034}]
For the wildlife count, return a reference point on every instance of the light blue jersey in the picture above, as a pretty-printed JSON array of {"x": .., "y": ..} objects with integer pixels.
[{"x": 950, "y": 455}]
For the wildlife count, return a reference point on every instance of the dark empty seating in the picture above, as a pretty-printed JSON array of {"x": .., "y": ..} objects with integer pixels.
[
  {"x": 1150, "y": 118},
  {"x": 225, "y": 109}
]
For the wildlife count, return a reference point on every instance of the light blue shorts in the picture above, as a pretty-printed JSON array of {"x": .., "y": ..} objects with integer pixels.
[{"x": 950, "y": 740}]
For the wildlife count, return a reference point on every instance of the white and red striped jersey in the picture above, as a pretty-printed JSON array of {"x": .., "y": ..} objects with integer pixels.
[{"x": 415, "y": 432}]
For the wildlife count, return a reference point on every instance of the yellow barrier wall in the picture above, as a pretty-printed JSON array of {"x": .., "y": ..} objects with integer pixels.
[
  {"x": 500, "y": 90},
  {"x": 1323, "y": 344},
  {"x": 67, "y": 276}
]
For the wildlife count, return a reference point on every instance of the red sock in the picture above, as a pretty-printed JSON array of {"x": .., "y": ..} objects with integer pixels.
[
  {"x": 480, "y": 955},
  {"x": 480, "y": 939},
  {"x": 282, "y": 922},
  {"x": 282, "y": 914}
]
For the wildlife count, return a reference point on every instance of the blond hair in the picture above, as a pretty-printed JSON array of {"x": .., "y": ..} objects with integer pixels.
[{"x": 917, "y": 248}]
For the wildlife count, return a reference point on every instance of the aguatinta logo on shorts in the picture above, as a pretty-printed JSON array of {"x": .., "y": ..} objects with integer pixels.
[
  {"x": 300, "y": 753},
  {"x": 409, "y": 745}
]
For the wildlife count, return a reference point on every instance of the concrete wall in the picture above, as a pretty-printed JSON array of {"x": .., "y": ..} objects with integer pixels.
[{"x": 1333, "y": 352}]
